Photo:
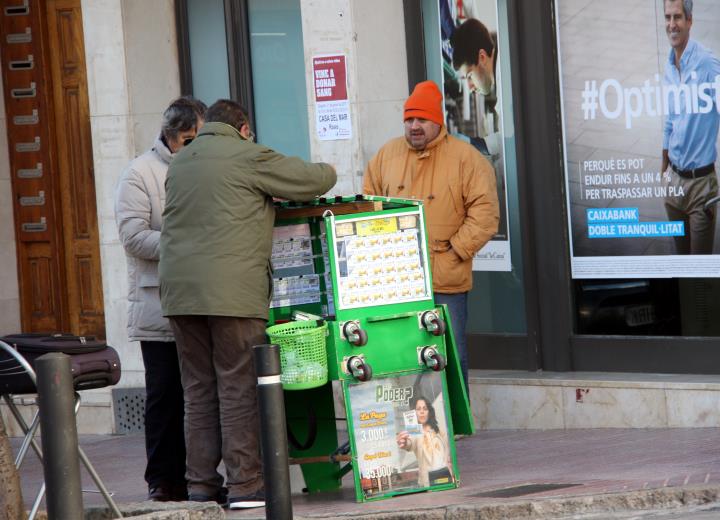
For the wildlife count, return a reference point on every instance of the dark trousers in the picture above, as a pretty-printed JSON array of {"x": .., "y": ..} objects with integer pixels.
[
  {"x": 164, "y": 411},
  {"x": 457, "y": 305},
  {"x": 221, "y": 414},
  {"x": 690, "y": 209}
]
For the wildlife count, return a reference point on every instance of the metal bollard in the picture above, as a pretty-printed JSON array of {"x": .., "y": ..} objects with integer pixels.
[
  {"x": 61, "y": 464},
  {"x": 273, "y": 432}
]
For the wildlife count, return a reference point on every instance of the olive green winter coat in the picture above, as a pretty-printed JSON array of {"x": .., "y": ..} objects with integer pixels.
[{"x": 216, "y": 238}]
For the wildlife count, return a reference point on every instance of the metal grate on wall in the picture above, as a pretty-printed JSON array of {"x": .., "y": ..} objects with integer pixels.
[{"x": 129, "y": 406}]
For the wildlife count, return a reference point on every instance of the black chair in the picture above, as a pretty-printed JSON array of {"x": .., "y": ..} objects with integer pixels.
[{"x": 18, "y": 378}]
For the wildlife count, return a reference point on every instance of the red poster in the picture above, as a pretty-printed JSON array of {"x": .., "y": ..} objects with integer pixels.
[
  {"x": 329, "y": 78},
  {"x": 332, "y": 107}
]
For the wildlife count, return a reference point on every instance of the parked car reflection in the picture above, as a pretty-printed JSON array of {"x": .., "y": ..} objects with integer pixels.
[{"x": 628, "y": 307}]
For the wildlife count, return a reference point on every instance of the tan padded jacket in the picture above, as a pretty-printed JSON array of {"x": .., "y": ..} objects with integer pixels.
[{"x": 458, "y": 189}]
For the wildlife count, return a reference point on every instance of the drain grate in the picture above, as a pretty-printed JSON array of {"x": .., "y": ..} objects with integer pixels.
[
  {"x": 526, "y": 489},
  {"x": 129, "y": 406}
]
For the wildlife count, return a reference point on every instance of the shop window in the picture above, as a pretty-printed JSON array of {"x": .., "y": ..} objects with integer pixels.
[
  {"x": 208, "y": 50},
  {"x": 641, "y": 264},
  {"x": 484, "y": 118},
  {"x": 278, "y": 74},
  {"x": 214, "y": 36}
]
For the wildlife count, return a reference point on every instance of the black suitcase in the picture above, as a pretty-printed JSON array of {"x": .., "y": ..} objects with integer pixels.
[{"x": 94, "y": 364}]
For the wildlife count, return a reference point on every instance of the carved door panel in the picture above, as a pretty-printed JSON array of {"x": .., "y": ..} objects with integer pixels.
[
  {"x": 75, "y": 167},
  {"x": 34, "y": 181},
  {"x": 43, "y": 71}
]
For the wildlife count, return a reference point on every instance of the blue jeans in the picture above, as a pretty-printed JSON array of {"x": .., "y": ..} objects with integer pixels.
[{"x": 457, "y": 305}]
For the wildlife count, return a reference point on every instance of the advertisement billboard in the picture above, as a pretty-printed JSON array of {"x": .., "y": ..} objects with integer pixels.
[
  {"x": 470, "y": 62},
  {"x": 640, "y": 87}
]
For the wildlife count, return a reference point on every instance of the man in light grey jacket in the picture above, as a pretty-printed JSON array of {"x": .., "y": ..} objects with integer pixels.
[{"x": 139, "y": 203}]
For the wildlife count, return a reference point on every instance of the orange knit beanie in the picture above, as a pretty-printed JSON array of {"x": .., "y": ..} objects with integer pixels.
[{"x": 425, "y": 102}]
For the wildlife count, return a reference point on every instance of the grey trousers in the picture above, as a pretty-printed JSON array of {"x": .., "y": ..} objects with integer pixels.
[
  {"x": 699, "y": 222},
  {"x": 221, "y": 415}
]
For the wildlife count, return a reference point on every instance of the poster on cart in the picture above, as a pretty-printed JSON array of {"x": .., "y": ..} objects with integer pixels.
[
  {"x": 472, "y": 84},
  {"x": 401, "y": 435},
  {"x": 332, "y": 108},
  {"x": 641, "y": 137}
]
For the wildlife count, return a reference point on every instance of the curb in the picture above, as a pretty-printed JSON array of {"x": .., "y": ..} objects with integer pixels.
[
  {"x": 155, "y": 511},
  {"x": 529, "y": 509},
  {"x": 162, "y": 511},
  {"x": 546, "y": 508}
]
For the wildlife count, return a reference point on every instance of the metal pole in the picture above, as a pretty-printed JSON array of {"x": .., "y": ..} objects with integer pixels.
[
  {"x": 58, "y": 431},
  {"x": 273, "y": 432}
]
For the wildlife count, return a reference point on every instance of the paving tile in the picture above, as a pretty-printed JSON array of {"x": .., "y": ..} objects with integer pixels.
[{"x": 602, "y": 460}]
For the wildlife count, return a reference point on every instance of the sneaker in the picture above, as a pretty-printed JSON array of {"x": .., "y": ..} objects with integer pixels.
[{"x": 257, "y": 499}]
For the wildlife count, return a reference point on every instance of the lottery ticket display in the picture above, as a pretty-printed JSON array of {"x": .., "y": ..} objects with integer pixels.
[
  {"x": 294, "y": 280},
  {"x": 296, "y": 290},
  {"x": 381, "y": 261}
]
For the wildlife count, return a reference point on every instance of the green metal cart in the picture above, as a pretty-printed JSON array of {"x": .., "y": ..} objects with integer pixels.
[{"x": 353, "y": 303}]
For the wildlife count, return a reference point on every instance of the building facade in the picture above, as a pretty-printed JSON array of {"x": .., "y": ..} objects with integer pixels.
[{"x": 110, "y": 67}]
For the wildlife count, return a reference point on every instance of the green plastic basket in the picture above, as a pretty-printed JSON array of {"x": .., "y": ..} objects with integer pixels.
[{"x": 303, "y": 357}]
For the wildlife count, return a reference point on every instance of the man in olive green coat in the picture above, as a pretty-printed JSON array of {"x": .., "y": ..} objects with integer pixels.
[{"x": 215, "y": 286}]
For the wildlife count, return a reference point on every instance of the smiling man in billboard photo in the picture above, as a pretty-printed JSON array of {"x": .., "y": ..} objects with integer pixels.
[{"x": 690, "y": 132}]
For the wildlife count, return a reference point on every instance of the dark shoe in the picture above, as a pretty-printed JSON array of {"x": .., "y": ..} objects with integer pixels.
[
  {"x": 160, "y": 494},
  {"x": 178, "y": 493},
  {"x": 257, "y": 499},
  {"x": 220, "y": 497}
]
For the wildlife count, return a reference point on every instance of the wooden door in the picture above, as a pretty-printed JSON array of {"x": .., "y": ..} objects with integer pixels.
[
  {"x": 75, "y": 167},
  {"x": 45, "y": 87}
]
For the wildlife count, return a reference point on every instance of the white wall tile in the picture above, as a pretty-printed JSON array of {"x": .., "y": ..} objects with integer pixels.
[
  {"x": 693, "y": 408},
  {"x": 8, "y": 277},
  {"x": 615, "y": 408},
  {"x": 516, "y": 407},
  {"x": 151, "y": 56},
  {"x": 5, "y": 172},
  {"x": 380, "y": 121},
  {"x": 7, "y": 219},
  {"x": 105, "y": 57},
  {"x": 379, "y": 31},
  {"x": 9, "y": 315}
]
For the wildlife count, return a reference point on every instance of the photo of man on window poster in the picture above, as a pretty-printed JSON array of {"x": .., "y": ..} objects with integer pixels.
[
  {"x": 471, "y": 87},
  {"x": 641, "y": 137}
]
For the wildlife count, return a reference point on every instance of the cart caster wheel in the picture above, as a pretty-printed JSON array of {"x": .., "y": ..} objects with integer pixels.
[
  {"x": 441, "y": 327},
  {"x": 440, "y": 362},
  {"x": 362, "y": 338},
  {"x": 354, "y": 334},
  {"x": 359, "y": 369},
  {"x": 433, "y": 323},
  {"x": 433, "y": 359}
]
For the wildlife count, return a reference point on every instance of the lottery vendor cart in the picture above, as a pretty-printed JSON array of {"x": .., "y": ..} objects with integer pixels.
[{"x": 353, "y": 303}]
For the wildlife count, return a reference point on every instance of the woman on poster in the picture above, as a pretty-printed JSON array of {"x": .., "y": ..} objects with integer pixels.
[{"x": 430, "y": 446}]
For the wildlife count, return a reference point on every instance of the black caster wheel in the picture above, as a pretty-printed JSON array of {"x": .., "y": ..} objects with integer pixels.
[
  {"x": 360, "y": 370},
  {"x": 440, "y": 362},
  {"x": 441, "y": 327},
  {"x": 354, "y": 334}
]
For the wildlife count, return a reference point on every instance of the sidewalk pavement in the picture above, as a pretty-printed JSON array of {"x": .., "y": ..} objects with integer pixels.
[{"x": 504, "y": 474}]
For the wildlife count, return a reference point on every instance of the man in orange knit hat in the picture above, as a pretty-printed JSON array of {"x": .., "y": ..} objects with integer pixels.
[{"x": 457, "y": 187}]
